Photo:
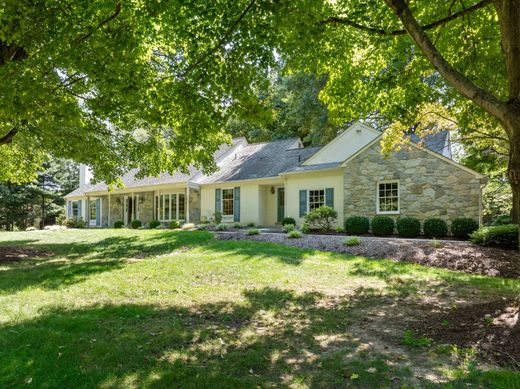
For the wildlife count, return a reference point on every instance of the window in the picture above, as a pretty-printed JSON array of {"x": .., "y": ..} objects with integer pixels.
[
  {"x": 227, "y": 202},
  {"x": 170, "y": 206},
  {"x": 93, "y": 210},
  {"x": 75, "y": 210},
  {"x": 316, "y": 199},
  {"x": 388, "y": 197}
]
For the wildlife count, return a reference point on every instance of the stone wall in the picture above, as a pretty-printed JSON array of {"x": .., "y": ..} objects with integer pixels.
[
  {"x": 429, "y": 186},
  {"x": 145, "y": 206},
  {"x": 194, "y": 205},
  {"x": 116, "y": 209}
]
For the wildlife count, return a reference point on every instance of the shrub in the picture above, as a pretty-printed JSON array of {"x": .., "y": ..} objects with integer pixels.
[
  {"x": 288, "y": 220},
  {"x": 357, "y": 225},
  {"x": 154, "y": 224},
  {"x": 289, "y": 227},
  {"x": 353, "y": 241},
  {"x": 217, "y": 216},
  {"x": 70, "y": 223},
  {"x": 136, "y": 224},
  {"x": 462, "y": 227},
  {"x": 382, "y": 226},
  {"x": 80, "y": 223},
  {"x": 237, "y": 225},
  {"x": 250, "y": 224},
  {"x": 202, "y": 227},
  {"x": 305, "y": 228},
  {"x": 322, "y": 218},
  {"x": 252, "y": 231},
  {"x": 340, "y": 230},
  {"x": 294, "y": 234},
  {"x": 502, "y": 220},
  {"x": 174, "y": 224},
  {"x": 221, "y": 227},
  {"x": 504, "y": 236},
  {"x": 435, "y": 228},
  {"x": 119, "y": 224},
  {"x": 408, "y": 227}
]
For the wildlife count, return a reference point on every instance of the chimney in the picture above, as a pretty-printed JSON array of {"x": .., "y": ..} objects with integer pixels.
[{"x": 85, "y": 174}]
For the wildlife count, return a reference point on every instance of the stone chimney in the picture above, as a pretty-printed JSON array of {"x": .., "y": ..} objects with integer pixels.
[{"x": 85, "y": 174}]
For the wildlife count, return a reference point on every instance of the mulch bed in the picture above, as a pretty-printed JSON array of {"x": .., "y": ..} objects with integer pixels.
[
  {"x": 10, "y": 254},
  {"x": 491, "y": 327},
  {"x": 453, "y": 255}
]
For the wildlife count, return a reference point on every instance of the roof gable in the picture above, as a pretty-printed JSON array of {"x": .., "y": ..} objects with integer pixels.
[{"x": 344, "y": 145}]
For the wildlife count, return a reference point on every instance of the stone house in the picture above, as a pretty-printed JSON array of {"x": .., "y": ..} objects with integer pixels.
[{"x": 264, "y": 182}]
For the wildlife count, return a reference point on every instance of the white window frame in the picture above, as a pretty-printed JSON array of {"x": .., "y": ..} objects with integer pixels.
[
  {"x": 378, "y": 211},
  {"x": 71, "y": 215},
  {"x": 309, "y": 197},
  {"x": 173, "y": 214},
  {"x": 227, "y": 218}
]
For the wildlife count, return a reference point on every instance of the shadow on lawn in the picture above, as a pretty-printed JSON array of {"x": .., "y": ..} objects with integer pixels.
[
  {"x": 273, "y": 338},
  {"x": 76, "y": 261}
]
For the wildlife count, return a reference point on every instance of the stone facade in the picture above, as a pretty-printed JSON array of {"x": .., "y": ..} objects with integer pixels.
[{"x": 428, "y": 185}]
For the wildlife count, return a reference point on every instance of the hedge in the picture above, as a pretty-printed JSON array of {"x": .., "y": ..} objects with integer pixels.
[
  {"x": 462, "y": 227},
  {"x": 382, "y": 226},
  {"x": 408, "y": 227},
  {"x": 503, "y": 236},
  {"x": 357, "y": 225},
  {"x": 435, "y": 228}
]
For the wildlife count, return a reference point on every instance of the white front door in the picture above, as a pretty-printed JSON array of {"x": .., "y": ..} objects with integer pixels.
[{"x": 131, "y": 209}]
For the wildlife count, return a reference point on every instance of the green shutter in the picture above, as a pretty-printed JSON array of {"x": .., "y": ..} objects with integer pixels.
[
  {"x": 69, "y": 209},
  {"x": 79, "y": 209},
  {"x": 236, "y": 204},
  {"x": 303, "y": 203},
  {"x": 329, "y": 197},
  {"x": 98, "y": 212},
  {"x": 218, "y": 200}
]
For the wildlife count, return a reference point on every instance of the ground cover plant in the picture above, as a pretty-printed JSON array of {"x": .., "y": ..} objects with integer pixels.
[{"x": 161, "y": 308}]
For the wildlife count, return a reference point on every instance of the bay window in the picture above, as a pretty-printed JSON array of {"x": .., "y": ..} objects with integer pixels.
[{"x": 170, "y": 206}]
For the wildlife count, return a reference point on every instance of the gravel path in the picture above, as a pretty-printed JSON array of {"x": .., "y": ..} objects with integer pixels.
[{"x": 454, "y": 255}]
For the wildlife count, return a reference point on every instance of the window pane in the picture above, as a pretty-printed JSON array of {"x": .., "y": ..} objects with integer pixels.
[
  {"x": 182, "y": 201},
  {"x": 316, "y": 199},
  {"x": 174, "y": 207},
  {"x": 227, "y": 202},
  {"x": 388, "y": 195},
  {"x": 167, "y": 207},
  {"x": 92, "y": 207}
]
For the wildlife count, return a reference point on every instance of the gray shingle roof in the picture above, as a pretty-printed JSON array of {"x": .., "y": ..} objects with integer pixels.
[
  {"x": 434, "y": 142},
  {"x": 318, "y": 166},
  {"x": 261, "y": 160}
]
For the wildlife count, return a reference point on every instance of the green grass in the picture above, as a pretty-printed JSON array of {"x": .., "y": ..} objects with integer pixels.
[{"x": 152, "y": 309}]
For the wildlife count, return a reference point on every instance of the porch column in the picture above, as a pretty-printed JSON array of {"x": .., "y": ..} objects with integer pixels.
[{"x": 187, "y": 204}]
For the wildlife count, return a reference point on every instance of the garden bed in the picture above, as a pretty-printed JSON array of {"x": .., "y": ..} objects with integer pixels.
[{"x": 453, "y": 255}]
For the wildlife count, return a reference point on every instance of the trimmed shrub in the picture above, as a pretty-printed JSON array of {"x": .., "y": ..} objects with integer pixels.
[
  {"x": 502, "y": 220},
  {"x": 174, "y": 224},
  {"x": 221, "y": 227},
  {"x": 408, "y": 227},
  {"x": 305, "y": 228},
  {"x": 294, "y": 234},
  {"x": 322, "y": 218},
  {"x": 352, "y": 241},
  {"x": 136, "y": 224},
  {"x": 70, "y": 223},
  {"x": 250, "y": 224},
  {"x": 289, "y": 227},
  {"x": 357, "y": 225},
  {"x": 462, "y": 227},
  {"x": 382, "y": 226},
  {"x": 253, "y": 231},
  {"x": 119, "y": 224},
  {"x": 503, "y": 236},
  {"x": 288, "y": 220},
  {"x": 154, "y": 224},
  {"x": 435, "y": 228}
]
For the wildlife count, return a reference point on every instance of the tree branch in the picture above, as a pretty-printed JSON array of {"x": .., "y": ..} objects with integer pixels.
[
  {"x": 464, "y": 85},
  {"x": 8, "y": 138},
  {"x": 101, "y": 24},
  {"x": 378, "y": 31}
]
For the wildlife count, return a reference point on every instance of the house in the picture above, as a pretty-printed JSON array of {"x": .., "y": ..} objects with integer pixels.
[{"x": 262, "y": 183}]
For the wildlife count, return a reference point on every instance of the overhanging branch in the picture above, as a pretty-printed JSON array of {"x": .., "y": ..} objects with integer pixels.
[
  {"x": 8, "y": 138},
  {"x": 100, "y": 24},
  {"x": 379, "y": 31}
]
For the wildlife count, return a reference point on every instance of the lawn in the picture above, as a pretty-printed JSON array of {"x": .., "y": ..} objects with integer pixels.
[{"x": 147, "y": 309}]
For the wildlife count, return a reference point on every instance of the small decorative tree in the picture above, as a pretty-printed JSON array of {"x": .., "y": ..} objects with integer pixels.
[{"x": 322, "y": 218}]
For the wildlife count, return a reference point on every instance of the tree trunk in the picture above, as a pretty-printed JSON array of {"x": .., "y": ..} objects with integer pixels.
[{"x": 512, "y": 127}]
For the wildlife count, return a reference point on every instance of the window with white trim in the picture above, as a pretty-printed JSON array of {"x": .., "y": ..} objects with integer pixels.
[
  {"x": 75, "y": 210},
  {"x": 388, "y": 197},
  {"x": 316, "y": 199},
  {"x": 170, "y": 206},
  {"x": 227, "y": 202}
]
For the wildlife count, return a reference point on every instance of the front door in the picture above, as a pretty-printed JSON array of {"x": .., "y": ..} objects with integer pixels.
[
  {"x": 281, "y": 204},
  {"x": 131, "y": 209}
]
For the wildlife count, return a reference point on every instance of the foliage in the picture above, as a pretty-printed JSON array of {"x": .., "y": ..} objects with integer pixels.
[
  {"x": 154, "y": 223},
  {"x": 119, "y": 224},
  {"x": 435, "y": 228},
  {"x": 75, "y": 223},
  {"x": 237, "y": 225},
  {"x": 136, "y": 224},
  {"x": 253, "y": 231},
  {"x": 221, "y": 227},
  {"x": 410, "y": 338},
  {"x": 322, "y": 218},
  {"x": 501, "y": 235},
  {"x": 174, "y": 224},
  {"x": 462, "y": 227},
  {"x": 217, "y": 217},
  {"x": 251, "y": 224},
  {"x": 294, "y": 234},
  {"x": 501, "y": 220},
  {"x": 305, "y": 228},
  {"x": 357, "y": 225},
  {"x": 340, "y": 230},
  {"x": 408, "y": 227},
  {"x": 288, "y": 220},
  {"x": 352, "y": 241},
  {"x": 382, "y": 226},
  {"x": 289, "y": 227}
]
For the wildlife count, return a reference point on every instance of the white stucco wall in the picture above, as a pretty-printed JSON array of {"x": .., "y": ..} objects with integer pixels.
[{"x": 310, "y": 181}]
